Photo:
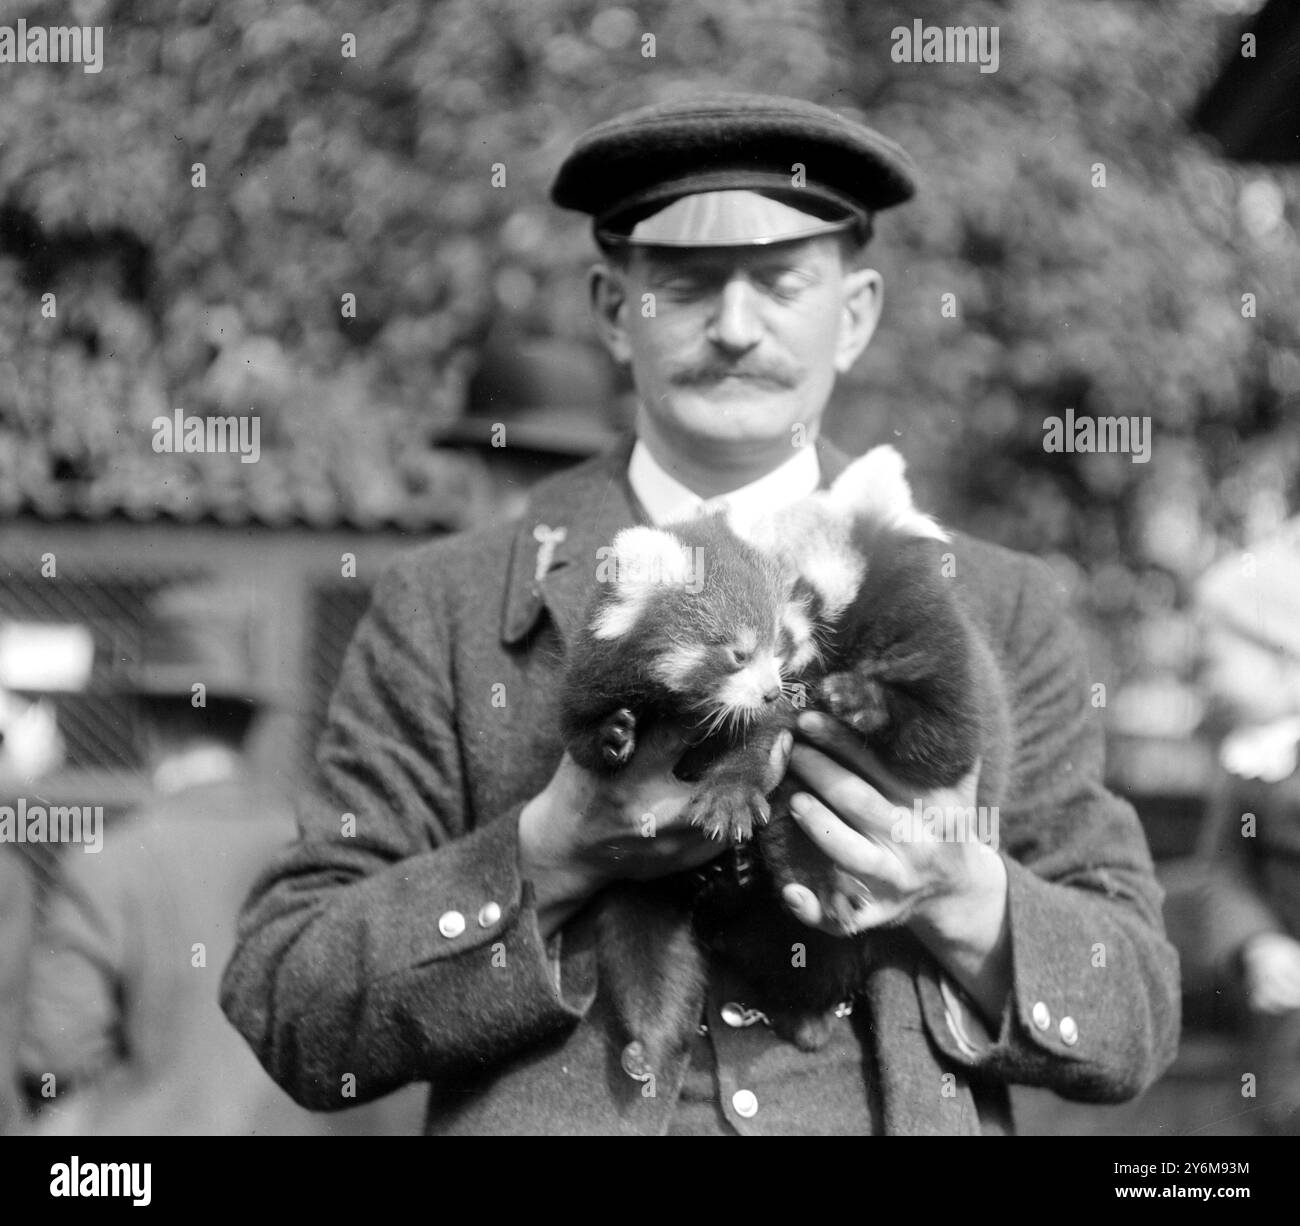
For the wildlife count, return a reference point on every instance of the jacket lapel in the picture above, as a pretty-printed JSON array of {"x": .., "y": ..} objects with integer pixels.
[{"x": 554, "y": 559}]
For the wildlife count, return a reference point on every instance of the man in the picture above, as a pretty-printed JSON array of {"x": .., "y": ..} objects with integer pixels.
[
  {"x": 31, "y": 746},
  {"x": 1249, "y": 605},
  {"x": 432, "y": 924},
  {"x": 17, "y": 920},
  {"x": 123, "y": 995}
]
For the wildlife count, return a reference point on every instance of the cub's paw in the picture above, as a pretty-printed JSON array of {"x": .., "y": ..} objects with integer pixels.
[
  {"x": 728, "y": 813},
  {"x": 857, "y": 700},
  {"x": 848, "y": 909},
  {"x": 807, "y": 1031},
  {"x": 618, "y": 738}
]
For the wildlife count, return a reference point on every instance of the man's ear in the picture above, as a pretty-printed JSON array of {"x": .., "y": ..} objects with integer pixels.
[
  {"x": 864, "y": 295},
  {"x": 607, "y": 292}
]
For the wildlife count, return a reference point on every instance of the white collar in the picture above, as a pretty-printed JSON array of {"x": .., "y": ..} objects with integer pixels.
[{"x": 666, "y": 500}]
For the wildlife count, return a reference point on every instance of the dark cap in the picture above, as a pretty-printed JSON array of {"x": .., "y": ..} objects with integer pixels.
[{"x": 831, "y": 171}]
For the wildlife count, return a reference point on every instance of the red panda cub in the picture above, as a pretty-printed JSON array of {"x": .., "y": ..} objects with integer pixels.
[
  {"x": 902, "y": 662},
  {"x": 839, "y": 602},
  {"x": 692, "y": 626}
]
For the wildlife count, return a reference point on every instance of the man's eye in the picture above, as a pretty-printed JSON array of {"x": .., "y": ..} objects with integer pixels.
[
  {"x": 683, "y": 287},
  {"x": 788, "y": 284}
]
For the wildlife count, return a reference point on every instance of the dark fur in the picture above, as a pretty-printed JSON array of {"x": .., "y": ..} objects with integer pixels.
[
  {"x": 903, "y": 664},
  {"x": 649, "y": 958}
]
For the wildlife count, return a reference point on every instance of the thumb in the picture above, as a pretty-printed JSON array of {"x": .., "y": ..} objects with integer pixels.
[{"x": 777, "y": 761}]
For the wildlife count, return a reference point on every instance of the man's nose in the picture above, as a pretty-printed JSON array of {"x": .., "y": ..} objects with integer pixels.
[{"x": 735, "y": 326}]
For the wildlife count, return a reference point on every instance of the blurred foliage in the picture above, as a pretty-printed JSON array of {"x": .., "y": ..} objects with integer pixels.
[
  {"x": 329, "y": 175},
  {"x": 1117, "y": 300}
]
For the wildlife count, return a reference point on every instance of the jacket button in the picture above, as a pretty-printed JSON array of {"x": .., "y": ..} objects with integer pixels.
[
  {"x": 488, "y": 915},
  {"x": 451, "y": 924},
  {"x": 1042, "y": 1017},
  {"x": 746, "y": 1103},
  {"x": 1069, "y": 1031}
]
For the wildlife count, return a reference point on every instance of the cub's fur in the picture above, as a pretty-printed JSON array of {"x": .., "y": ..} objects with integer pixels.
[
  {"x": 838, "y": 602},
  {"x": 695, "y": 627}
]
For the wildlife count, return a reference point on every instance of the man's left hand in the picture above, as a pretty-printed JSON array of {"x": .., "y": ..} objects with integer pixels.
[{"x": 951, "y": 893}]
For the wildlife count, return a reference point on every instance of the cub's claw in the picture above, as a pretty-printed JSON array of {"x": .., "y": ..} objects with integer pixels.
[
  {"x": 618, "y": 737},
  {"x": 728, "y": 814}
]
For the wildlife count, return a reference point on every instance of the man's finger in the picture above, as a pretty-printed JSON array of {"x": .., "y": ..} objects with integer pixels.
[
  {"x": 856, "y": 801},
  {"x": 778, "y": 760},
  {"x": 803, "y": 904},
  {"x": 807, "y": 908},
  {"x": 846, "y": 746},
  {"x": 845, "y": 847}
]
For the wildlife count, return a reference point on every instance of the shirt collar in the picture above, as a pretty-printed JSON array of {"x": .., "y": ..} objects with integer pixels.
[{"x": 666, "y": 500}]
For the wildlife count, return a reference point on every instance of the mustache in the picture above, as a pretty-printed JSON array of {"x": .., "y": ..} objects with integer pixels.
[{"x": 771, "y": 373}]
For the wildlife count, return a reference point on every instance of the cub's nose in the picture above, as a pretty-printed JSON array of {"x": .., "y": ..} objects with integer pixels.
[{"x": 768, "y": 680}]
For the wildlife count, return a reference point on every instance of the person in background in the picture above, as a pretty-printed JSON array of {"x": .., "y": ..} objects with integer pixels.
[
  {"x": 30, "y": 747},
  {"x": 17, "y": 923},
  {"x": 123, "y": 997},
  {"x": 1249, "y": 604}
]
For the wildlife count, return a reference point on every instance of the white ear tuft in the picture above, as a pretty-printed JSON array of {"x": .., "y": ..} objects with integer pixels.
[
  {"x": 645, "y": 557},
  {"x": 874, "y": 486}
]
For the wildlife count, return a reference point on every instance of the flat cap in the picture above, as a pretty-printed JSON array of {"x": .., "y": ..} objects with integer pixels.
[{"x": 815, "y": 161}]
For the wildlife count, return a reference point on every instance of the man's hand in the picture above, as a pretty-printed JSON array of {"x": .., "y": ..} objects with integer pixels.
[
  {"x": 1271, "y": 962},
  {"x": 585, "y": 830},
  {"x": 952, "y": 894}
]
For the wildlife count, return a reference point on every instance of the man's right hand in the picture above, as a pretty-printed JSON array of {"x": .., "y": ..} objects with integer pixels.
[{"x": 585, "y": 830}]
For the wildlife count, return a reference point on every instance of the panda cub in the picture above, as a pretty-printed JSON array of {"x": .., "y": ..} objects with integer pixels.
[{"x": 727, "y": 629}]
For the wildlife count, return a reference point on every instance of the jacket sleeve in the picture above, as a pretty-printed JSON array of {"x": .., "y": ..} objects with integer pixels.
[
  {"x": 392, "y": 943},
  {"x": 1094, "y": 1009}
]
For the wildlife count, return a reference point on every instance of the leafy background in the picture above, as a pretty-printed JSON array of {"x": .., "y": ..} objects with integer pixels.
[{"x": 372, "y": 176}]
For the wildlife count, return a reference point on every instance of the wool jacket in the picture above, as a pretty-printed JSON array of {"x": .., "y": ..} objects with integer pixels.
[{"x": 398, "y": 942}]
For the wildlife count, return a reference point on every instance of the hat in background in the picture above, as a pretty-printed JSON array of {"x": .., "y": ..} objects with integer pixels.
[
  {"x": 770, "y": 169},
  {"x": 208, "y": 633}
]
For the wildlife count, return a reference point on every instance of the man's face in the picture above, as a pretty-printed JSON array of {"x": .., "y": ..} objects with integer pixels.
[{"x": 737, "y": 345}]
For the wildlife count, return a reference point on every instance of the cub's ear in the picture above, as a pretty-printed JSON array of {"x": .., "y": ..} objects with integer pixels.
[
  {"x": 639, "y": 561},
  {"x": 647, "y": 556},
  {"x": 874, "y": 486}
]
